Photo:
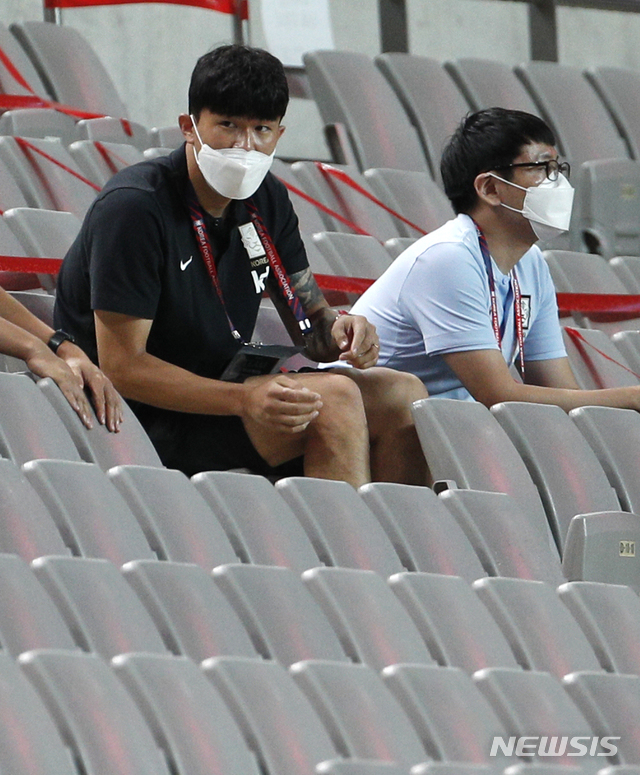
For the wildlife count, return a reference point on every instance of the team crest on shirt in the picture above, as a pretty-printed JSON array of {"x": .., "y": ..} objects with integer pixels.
[
  {"x": 525, "y": 305},
  {"x": 255, "y": 251}
]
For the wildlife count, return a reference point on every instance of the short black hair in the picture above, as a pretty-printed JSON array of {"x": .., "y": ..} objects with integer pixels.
[
  {"x": 239, "y": 80},
  {"x": 484, "y": 141}
]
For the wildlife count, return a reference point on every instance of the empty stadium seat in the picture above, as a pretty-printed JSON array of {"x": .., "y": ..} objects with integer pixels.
[
  {"x": 38, "y": 122},
  {"x": 99, "y": 161},
  {"x": 596, "y": 361},
  {"x": 566, "y": 472},
  {"x": 177, "y": 521},
  {"x": 619, "y": 90},
  {"x": 27, "y": 83},
  {"x": 350, "y": 90},
  {"x": 423, "y": 532},
  {"x": 487, "y": 83},
  {"x": 113, "y": 130}
]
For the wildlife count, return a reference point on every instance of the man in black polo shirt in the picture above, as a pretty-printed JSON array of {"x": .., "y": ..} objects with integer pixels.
[{"x": 163, "y": 286}]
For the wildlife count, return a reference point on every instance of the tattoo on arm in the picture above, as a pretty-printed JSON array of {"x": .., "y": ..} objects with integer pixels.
[{"x": 307, "y": 290}]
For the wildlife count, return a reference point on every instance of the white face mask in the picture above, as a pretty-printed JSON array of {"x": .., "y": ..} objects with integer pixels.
[
  {"x": 547, "y": 206},
  {"x": 233, "y": 172}
]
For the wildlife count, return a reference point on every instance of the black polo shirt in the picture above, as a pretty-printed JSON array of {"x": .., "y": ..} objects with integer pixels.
[{"x": 137, "y": 254}]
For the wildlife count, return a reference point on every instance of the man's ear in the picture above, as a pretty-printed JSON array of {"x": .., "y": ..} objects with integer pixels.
[
  {"x": 485, "y": 186},
  {"x": 186, "y": 125}
]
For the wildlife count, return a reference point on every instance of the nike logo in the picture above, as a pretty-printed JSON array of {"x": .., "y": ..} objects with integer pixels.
[{"x": 185, "y": 264}]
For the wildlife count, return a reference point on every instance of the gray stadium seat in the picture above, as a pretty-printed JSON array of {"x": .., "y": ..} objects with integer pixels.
[
  {"x": 38, "y": 303},
  {"x": 113, "y": 130},
  {"x": 90, "y": 513},
  {"x": 609, "y": 615},
  {"x": 341, "y": 198},
  {"x": 602, "y": 547},
  {"x": 186, "y": 715},
  {"x": 469, "y": 739},
  {"x": 582, "y": 125},
  {"x": 193, "y": 616},
  {"x": 10, "y": 246},
  {"x": 31, "y": 429},
  {"x": 28, "y": 617},
  {"x": 614, "y": 436},
  {"x": 30, "y": 744},
  {"x": 452, "y": 621},
  {"x": 628, "y": 270},
  {"x": 564, "y": 468},
  {"x": 352, "y": 255},
  {"x": 423, "y": 532},
  {"x": 260, "y": 525},
  {"x": 349, "y": 90},
  {"x": 97, "y": 719},
  {"x": 166, "y": 136},
  {"x": 587, "y": 273},
  {"x": 503, "y": 536},
  {"x": 309, "y": 216},
  {"x": 38, "y": 122},
  {"x": 397, "y": 245},
  {"x": 487, "y": 83},
  {"x": 357, "y": 766},
  {"x": 98, "y": 606},
  {"x": 534, "y": 703},
  {"x": 415, "y": 195},
  {"x": 431, "y": 99},
  {"x": 100, "y": 162},
  {"x": 619, "y": 90},
  {"x": 275, "y": 717},
  {"x": 611, "y": 703},
  {"x": 339, "y": 524},
  {"x": 283, "y": 620},
  {"x": 628, "y": 345},
  {"x": 465, "y": 444},
  {"x": 43, "y": 233},
  {"x": 360, "y": 713},
  {"x": 69, "y": 67},
  {"x": 596, "y": 361},
  {"x": 27, "y": 528},
  {"x": 541, "y": 632},
  {"x": 369, "y": 620},
  {"x": 178, "y": 523},
  {"x": 44, "y": 183},
  {"x": 28, "y": 82},
  {"x": 99, "y": 445}
]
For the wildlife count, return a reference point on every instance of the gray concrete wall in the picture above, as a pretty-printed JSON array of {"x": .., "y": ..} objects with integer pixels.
[{"x": 150, "y": 49}]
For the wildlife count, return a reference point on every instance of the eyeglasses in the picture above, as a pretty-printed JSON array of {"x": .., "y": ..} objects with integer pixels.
[{"x": 552, "y": 167}]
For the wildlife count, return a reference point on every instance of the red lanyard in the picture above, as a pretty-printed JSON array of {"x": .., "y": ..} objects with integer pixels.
[
  {"x": 270, "y": 251},
  {"x": 498, "y": 329}
]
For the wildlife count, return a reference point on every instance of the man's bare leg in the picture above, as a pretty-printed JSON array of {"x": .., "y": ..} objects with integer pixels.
[
  {"x": 335, "y": 444},
  {"x": 396, "y": 454}
]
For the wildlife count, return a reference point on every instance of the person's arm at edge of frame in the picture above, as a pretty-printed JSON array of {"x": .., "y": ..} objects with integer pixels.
[
  {"x": 345, "y": 337},
  {"x": 141, "y": 376},
  {"x": 486, "y": 376},
  {"x": 25, "y": 336}
]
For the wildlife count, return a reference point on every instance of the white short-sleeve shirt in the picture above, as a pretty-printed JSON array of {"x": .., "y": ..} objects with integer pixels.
[{"x": 435, "y": 299}]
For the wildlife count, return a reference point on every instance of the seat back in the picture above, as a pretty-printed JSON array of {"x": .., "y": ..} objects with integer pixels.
[
  {"x": 192, "y": 614},
  {"x": 464, "y": 444},
  {"x": 564, "y": 468},
  {"x": 614, "y": 436},
  {"x": 457, "y": 628},
  {"x": 541, "y": 632},
  {"x": 340, "y": 525},
  {"x": 69, "y": 67},
  {"x": 627, "y": 268},
  {"x": 99, "y": 445},
  {"x": 430, "y": 98},
  {"x": 43, "y": 233},
  {"x": 423, "y": 532},
  {"x": 602, "y": 547},
  {"x": 258, "y": 522},
  {"x": 361, "y": 256},
  {"x": 503, "y": 535},
  {"x": 583, "y": 128},
  {"x": 38, "y": 122},
  {"x": 596, "y": 361},
  {"x": 415, "y": 195},
  {"x": 619, "y": 90},
  {"x": 487, "y": 83},
  {"x": 186, "y": 715},
  {"x": 606, "y": 219},
  {"x": 348, "y": 89},
  {"x": 113, "y": 130},
  {"x": 609, "y": 616},
  {"x": 94, "y": 713},
  {"x": 47, "y": 174},
  {"x": 99, "y": 162},
  {"x": 95, "y": 521},
  {"x": 177, "y": 521},
  {"x": 29, "y": 82}
]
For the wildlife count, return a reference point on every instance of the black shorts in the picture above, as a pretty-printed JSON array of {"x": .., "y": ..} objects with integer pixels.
[{"x": 203, "y": 442}]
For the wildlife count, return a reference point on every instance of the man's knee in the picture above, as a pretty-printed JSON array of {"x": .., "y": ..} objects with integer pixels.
[{"x": 342, "y": 402}]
